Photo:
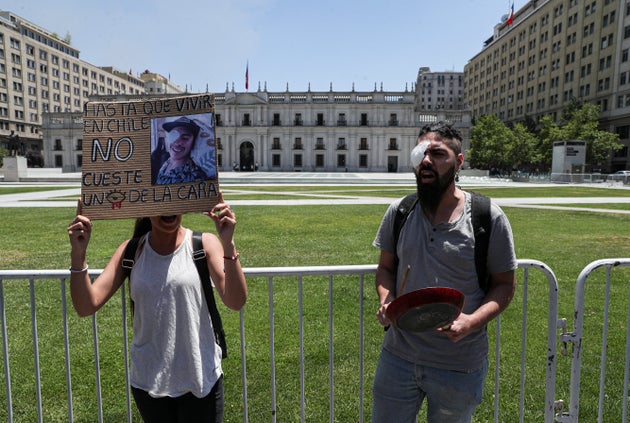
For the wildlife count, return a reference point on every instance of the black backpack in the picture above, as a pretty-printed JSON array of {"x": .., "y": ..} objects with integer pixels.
[
  {"x": 199, "y": 255},
  {"x": 481, "y": 228}
]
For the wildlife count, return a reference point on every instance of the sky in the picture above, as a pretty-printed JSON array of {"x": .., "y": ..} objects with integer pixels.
[{"x": 208, "y": 44}]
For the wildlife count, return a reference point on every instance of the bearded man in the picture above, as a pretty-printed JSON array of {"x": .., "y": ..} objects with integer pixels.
[{"x": 446, "y": 365}]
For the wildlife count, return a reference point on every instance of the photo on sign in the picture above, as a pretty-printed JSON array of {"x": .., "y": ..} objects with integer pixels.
[{"x": 183, "y": 149}]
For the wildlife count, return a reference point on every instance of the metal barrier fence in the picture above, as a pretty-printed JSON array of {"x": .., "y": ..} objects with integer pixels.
[
  {"x": 605, "y": 309},
  {"x": 336, "y": 336}
]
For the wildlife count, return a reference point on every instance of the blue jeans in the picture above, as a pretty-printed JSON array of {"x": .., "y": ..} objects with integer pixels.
[{"x": 401, "y": 386}]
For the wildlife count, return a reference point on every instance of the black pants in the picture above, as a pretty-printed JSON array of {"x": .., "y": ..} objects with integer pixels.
[{"x": 185, "y": 409}]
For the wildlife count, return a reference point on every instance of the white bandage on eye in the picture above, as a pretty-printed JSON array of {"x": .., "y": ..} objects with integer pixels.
[
  {"x": 417, "y": 154},
  {"x": 172, "y": 136}
]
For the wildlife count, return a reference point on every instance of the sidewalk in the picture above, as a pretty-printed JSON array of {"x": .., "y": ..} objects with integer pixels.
[
  {"x": 37, "y": 176},
  {"x": 232, "y": 182},
  {"x": 54, "y": 176}
]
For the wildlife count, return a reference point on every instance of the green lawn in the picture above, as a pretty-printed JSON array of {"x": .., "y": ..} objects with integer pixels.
[{"x": 35, "y": 238}]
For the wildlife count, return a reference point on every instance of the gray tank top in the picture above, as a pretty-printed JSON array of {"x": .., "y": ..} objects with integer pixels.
[{"x": 173, "y": 350}]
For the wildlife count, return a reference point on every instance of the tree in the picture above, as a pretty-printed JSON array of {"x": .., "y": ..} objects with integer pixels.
[
  {"x": 523, "y": 150},
  {"x": 549, "y": 132},
  {"x": 494, "y": 145},
  {"x": 581, "y": 124},
  {"x": 584, "y": 126},
  {"x": 568, "y": 109},
  {"x": 490, "y": 144}
]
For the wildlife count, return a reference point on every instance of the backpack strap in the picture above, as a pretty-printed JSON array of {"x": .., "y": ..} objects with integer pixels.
[
  {"x": 402, "y": 213},
  {"x": 129, "y": 259},
  {"x": 481, "y": 226},
  {"x": 129, "y": 256},
  {"x": 199, "y": 256},
  {"x": 404, "y": 208}
]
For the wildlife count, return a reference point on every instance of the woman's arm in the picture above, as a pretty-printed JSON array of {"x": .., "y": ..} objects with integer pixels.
[
  {"x": 88, "y": 297},
  {"x": 227, "y": 273},
  {"x": 223, "y": 262}
]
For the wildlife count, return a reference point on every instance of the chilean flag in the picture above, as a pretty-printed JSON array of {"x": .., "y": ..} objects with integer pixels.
[
  {"x": 510, "y": 19},
  {"x": 247, "y": 76}
]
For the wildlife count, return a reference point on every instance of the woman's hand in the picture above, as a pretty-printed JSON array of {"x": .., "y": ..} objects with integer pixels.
[
  {"x": 224, "y": 220},
  {"x": 79, "y": 232},
  {"x": 224, "y": 265}
]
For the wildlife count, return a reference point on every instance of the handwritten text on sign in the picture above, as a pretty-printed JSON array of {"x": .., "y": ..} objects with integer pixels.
[{"x": 149, "y": 157}]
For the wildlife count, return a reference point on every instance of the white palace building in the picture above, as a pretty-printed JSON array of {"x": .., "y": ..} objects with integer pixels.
[
  {"x": 291, "y": 131},
  {"x": 334, "y": 131}
]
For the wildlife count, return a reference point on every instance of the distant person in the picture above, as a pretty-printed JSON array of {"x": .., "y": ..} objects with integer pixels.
[
  {"x": 180, "y": 166},
  {"x": 446, "y": 366},
  {"x": 158, "y": 156}
]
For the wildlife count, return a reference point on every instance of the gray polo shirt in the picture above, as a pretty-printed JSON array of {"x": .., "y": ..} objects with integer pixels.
[{"x": 443, "y": 255}]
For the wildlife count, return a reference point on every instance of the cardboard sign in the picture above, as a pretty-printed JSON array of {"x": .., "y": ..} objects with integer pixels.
[{"x": 149, "y": 157}]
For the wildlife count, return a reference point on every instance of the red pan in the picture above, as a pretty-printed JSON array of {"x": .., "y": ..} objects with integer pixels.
[{"x": 426, "y": 308}]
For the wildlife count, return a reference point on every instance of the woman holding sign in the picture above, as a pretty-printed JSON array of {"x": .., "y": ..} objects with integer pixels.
[{"x": 176, "y": 373}]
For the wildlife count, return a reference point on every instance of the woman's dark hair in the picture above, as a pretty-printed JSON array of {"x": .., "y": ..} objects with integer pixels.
[{"x": 142, "y": 226}]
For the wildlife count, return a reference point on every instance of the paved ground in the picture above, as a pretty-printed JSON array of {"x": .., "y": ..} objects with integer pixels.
[{"x": 229, "y": 180}]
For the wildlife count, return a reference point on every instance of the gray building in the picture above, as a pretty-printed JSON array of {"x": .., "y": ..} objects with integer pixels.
[
  {"x": 63, "y": 135},
  {"x": 156, "y": 84},
  {"x": 557, "y": 52},
  {"x": 42, "y": 73},
  {"x": 439, "y": 90}
]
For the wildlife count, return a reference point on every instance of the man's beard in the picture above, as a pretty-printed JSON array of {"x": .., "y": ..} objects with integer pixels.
[{"x": 430, "y": 194}]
